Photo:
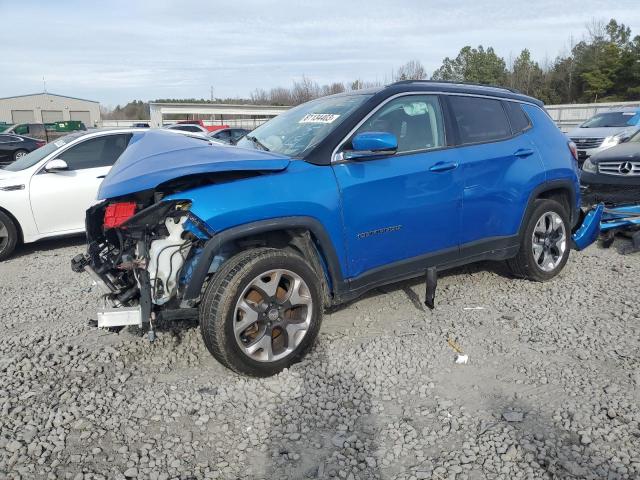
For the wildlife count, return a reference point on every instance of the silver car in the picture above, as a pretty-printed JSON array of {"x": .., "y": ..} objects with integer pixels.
[{"x": 605, "y": 130}]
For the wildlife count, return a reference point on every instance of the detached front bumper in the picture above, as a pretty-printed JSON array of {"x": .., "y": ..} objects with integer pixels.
[{"x": 589, "y": 229}]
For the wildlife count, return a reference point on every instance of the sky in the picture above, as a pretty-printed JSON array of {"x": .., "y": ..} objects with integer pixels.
[{"x": 116, "y": 51}]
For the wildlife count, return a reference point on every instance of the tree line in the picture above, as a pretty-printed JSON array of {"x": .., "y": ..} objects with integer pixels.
[{"x": 603, "y": 66}]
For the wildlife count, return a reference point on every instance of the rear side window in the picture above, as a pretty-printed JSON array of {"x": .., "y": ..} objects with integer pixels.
[
  {"x": 480, "y": 119},
  {"x": 96, "y": 152},
  {"x": 519, "y": 120}
]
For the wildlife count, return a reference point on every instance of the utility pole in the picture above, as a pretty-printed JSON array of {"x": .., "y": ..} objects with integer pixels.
[
  {"x": 44, "y": 84},
  {"x": 212, "y": 102}
]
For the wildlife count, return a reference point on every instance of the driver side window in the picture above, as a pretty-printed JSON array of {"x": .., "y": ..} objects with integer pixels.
[
  {"x": 415, "y": 120},
  {"x": 96, "y": 152}
]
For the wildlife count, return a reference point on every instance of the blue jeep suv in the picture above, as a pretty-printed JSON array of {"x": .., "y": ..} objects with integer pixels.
[{"x": 324, "y": 202}]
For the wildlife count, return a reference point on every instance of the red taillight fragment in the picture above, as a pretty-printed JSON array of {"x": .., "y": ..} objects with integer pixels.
[
  {"x": 574, "y": 150},
  {"x": 118, "y": 213},
  {"x": 40, "y": 144}
]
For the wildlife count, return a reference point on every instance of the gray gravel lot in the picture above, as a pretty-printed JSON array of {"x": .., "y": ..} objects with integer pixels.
[{"x": 551, "y": 390}]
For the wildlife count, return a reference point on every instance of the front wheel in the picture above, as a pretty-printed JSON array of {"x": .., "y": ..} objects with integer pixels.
[
  {"x": 544, "y": 246},
  {"x": 8, "y": 236},
  {"x": 18, "y": 154},
  {"x": 261, "y": 311}
]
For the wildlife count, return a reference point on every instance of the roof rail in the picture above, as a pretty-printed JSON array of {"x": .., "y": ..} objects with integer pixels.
[{"x": 406, "y": 82}]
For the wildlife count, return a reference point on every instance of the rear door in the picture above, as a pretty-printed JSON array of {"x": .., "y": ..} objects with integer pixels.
[
  {"x": 500, "y": 164},
  {"x": 60, "y": 199}
]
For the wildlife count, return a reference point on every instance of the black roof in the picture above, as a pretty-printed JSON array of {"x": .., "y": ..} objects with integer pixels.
[{"x": 455, "y": 87}]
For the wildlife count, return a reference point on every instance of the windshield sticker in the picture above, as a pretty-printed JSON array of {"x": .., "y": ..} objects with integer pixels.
[
  {"x": 59, "y": 143},
  {"x": 319, "y": 118}
]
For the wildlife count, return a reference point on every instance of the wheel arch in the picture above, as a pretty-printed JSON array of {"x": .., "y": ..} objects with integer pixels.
[
  {"x": 562, "y": 191},
  {"x": 304, "y": 234},
  {"x": 15, "y": 222}
]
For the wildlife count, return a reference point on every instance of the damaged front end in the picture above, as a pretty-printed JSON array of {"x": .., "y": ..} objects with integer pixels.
[{"x": 141, "y": 255}]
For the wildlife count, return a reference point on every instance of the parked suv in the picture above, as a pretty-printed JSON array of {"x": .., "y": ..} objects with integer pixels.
[
  {"x": 605, "y": 130},
  {"x": 324, "y": 202}
]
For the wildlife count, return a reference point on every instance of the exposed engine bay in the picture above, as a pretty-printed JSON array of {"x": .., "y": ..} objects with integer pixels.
[{"x": 141, "y": 254}]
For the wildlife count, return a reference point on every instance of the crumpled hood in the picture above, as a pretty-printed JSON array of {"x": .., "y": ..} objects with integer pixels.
[
  {"x": 625, "y": 152},
  {"x": 158, "y": 156}
]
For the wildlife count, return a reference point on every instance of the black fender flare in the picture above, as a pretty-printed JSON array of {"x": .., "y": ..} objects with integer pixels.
[
  {"x": 213, "y": 245},
  {"x": 558, "y": 184}
]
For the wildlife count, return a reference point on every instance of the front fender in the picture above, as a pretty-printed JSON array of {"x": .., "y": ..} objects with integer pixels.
[{"x": 213, "y": 246}]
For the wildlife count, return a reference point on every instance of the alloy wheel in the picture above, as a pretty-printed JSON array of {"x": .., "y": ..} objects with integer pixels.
[
  {"x": 19, "y": 155},
  {"x": 549, "y": 241},
  {"x": 272, "y": 315},
  {"x": 4, "y": 236}
]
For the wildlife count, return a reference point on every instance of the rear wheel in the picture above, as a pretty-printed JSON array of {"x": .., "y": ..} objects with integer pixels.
[
  {"x": 18, "y": 154},
  {"x": 544, "y": 247},
  {"x": 8, "y": 236},
  {"x": 261, "y": 311}
]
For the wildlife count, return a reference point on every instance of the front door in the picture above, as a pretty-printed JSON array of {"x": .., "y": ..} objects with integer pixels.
[
  {"x": 60, "y": 199},
  {"x": 407, "y": 206}
]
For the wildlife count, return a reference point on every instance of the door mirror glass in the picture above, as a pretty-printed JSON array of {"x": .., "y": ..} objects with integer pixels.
[
  {"x": 372, "y": 144},
  {"x": 56, "y": 165}
]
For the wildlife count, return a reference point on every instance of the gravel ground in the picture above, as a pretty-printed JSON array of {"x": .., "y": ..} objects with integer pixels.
[{"x": 551, "y": 389}]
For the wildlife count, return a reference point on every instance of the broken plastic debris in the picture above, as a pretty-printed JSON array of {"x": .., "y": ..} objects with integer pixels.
[{"x": 462, "y": 359}]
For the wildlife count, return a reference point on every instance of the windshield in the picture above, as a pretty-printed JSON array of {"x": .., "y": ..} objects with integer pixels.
[
  {"x": 612, "y": 119},
  {"x": 34, "y": 157},
  {"x": 296, "y": 131}
]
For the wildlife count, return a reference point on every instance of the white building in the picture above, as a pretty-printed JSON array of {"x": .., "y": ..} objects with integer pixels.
[{"x": 47, "y": 108}]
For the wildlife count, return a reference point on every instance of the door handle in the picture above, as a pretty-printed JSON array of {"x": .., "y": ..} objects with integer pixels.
[
  {"x": 523, "y": 152},
  {"x": 101, "y": 176},
  {"x": 443, "y": 166}
]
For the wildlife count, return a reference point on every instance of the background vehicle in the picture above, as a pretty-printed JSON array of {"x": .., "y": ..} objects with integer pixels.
[
  {"x": 47, "y": 192},
  {"x": 614, "y": 174},
  {"x": 14, "y": 147},
  {"x": 324, "y": 202},
  {"x": 229, "y": 135},
  {"x": 46, "y": 131},
  {"x": 196, "y": 126},
  {"x": 605, "y": 130}
]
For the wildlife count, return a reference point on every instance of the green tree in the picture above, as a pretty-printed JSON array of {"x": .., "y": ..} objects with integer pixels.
[
  {"x": 475, "y": 65},
  {"x": 527, "y": 76}
]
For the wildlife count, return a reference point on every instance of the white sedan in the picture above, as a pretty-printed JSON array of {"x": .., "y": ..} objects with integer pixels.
[{"x": 47, "y": 192}]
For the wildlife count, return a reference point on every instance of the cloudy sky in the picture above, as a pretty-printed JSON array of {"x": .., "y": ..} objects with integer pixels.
[{"x": 115, "y": 51}]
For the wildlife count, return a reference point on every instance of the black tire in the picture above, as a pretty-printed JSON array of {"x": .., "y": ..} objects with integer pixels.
[
  {"x": 219, "y": 302},
  {"x": 525, "y": 265},
  {"x": 7, "y": 243},
  {"x": 18, "y": 153}
]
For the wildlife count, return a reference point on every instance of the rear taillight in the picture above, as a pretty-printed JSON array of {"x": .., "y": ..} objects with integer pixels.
[
  {"x": 40, "y": 144},
  {"x": 574, "y": 150},
  {"x": 118, "y": 213}
]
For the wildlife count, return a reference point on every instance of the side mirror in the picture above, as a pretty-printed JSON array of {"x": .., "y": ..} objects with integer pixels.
[
  {"x": 372, "y": 144},
  {"x": 56, "y": 165}
]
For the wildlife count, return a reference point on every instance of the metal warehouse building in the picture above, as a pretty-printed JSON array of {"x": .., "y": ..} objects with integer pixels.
[{"x": 47, "y": 108}]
